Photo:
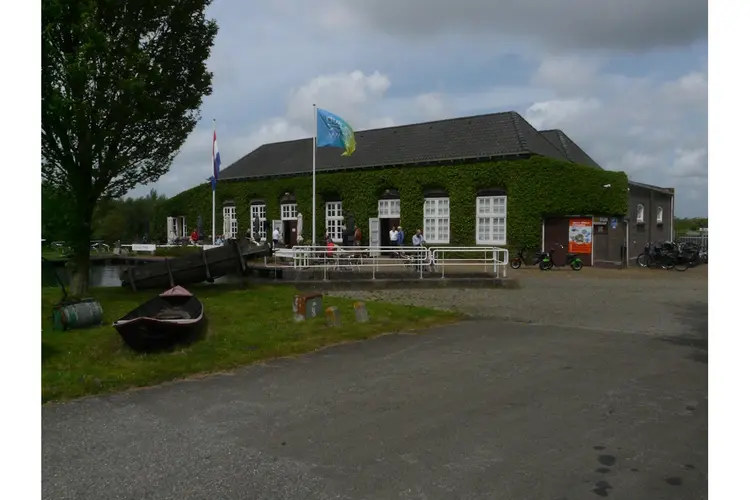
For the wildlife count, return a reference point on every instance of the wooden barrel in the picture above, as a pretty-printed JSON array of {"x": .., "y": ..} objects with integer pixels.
[{"x": 77, "y": 315}]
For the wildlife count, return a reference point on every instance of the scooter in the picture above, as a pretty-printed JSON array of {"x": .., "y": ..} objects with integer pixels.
[
  {"x": 571, "y": 259},
  {"x": 520, "y": 258}
]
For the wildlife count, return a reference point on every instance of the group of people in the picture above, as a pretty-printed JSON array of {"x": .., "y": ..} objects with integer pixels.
[{"x": 397, "y": 237}]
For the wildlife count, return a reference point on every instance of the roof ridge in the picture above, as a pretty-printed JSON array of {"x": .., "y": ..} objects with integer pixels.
[
  {"x": 545, "y": 133},
  {"x": 521, "y": 139}
]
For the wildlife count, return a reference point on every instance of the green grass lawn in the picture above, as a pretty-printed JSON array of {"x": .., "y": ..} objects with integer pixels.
[{"x": 244, "y": 325}]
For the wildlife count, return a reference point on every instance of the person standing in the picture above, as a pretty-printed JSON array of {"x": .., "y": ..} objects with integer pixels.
[
  {"x": 393, "y": 238},
  {"x": 357, "y": 236},
  {"x": 417, "y": 240},
  {"x": 400, "y": 237},
  {"x": 275, "y": 237}
]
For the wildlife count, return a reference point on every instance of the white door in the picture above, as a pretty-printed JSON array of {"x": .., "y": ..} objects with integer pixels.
[
  {"x": 171, "y": 236},
  {"x": 374, "y": 237},
  {"x": 277, "y": 224}
]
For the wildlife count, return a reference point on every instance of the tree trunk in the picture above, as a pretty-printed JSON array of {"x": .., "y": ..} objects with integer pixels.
[
  {"x": 81, "y": 242},
  {"x": 79, "y": 267}
]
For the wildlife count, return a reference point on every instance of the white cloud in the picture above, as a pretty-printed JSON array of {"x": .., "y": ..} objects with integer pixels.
[
  {"x": 550, "y": 114},
  {"x": 691, "y": 163},
  {"x": 349, "y": 95}
]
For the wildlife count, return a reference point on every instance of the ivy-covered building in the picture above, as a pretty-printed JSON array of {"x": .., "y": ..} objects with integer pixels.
[{"x": 479, "y": 180}]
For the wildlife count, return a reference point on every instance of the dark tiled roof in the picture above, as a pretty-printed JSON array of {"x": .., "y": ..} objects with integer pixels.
[
  {"x": 651, "y": 187},
  {"x": 570, "y": 149},
  {"x": 475, "y": 137}
]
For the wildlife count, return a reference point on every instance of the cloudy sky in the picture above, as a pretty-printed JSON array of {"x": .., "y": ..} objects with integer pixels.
[{"x": 626, "y": 80}]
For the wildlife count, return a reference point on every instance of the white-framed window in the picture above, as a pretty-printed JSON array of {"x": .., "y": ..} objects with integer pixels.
[
  {"x": 230, "y": 222},
  {"x": 259, "y": 211},
  {"x": 389, "y": 209},
  {"x": 182, "y": 229},
  {"x": 491, "y": 220},
  {"x": 437, "y": 220},
  {"x": 289, "y": 211},
  {"x": 640, "y": 214},
  {"x": 335, "y": 220},
  {"x": 659, "y": 215}
]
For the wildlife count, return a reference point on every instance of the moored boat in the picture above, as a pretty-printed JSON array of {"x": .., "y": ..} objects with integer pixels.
[{"x": 174, "y": 316}]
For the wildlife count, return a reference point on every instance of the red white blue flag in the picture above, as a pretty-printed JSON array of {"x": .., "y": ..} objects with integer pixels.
[{"x": 217, "y": 163}]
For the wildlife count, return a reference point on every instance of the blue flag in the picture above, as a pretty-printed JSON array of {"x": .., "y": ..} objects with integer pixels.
[{"x": 334, "y": 132}]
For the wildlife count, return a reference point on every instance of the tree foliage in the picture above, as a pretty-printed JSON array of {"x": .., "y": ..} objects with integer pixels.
[
  {"x": 128, "y": 220},
  {"x": 690, "y": 224},
  {"x": 122, "y": 83},
  {"x": 56, "y": 213}
]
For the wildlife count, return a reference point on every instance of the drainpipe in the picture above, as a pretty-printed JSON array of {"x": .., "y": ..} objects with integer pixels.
[
  {"x": 627, "y": 241},
  {"x": 671, "y": 220},
  {"x": 593, "y": 232}
]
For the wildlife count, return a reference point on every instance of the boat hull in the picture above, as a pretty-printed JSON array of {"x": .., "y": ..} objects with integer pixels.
[
  {"x": 172, "y": 318},
  {"x": 148, "y": 334}
]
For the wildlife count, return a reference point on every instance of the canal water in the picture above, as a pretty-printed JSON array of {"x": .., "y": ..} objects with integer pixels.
[{"x": 99, "y": 275}]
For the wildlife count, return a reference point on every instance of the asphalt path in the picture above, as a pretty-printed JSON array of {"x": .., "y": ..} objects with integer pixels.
[{"x": 493, "y": 408}]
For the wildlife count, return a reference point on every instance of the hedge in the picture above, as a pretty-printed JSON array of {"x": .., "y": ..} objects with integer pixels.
[{"x": 535, "y": 187}]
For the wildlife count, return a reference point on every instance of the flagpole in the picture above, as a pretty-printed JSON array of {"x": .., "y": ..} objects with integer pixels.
[
  {"x": 213, "y": 188},
  {"x": 314, "y": 154}
]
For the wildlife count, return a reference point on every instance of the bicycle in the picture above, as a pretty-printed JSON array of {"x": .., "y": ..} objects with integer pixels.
[
  {"x": 61, "y": 247},
  {"x": 99, "y": 245},
  {"x": 654, "y": 255}
]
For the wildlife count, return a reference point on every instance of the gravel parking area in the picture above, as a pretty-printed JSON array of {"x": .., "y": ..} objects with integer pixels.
[{"x": 652, "y": 302}]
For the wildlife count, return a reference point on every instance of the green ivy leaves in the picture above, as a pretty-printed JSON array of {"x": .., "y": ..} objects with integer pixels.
[{"x": 536, "y": 187}]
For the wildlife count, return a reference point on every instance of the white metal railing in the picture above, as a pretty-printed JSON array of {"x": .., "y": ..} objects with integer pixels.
[
  {"x": 357, "y": 257},
  {"x": 418, "y": 259},
  {"x": 495, "y": 257}
]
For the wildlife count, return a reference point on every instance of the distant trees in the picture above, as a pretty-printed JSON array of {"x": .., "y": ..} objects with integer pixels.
[
  {"x": 125, "y": 219},
  {"x": 690, "y": 224}
]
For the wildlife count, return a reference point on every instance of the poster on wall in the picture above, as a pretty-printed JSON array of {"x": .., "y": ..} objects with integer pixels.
[{"x": 580, "y": 236}]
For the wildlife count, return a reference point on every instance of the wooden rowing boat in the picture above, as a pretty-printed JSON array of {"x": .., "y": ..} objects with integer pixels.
[{"x": 173, "y": 317}]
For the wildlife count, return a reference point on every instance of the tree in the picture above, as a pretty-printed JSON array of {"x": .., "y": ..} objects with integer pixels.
[
  {"x": 122, "y": 83},
  {"x": 56, "y": 209}
]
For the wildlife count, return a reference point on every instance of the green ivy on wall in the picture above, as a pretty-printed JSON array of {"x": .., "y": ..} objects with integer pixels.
[{"x": 535, "y": 187}]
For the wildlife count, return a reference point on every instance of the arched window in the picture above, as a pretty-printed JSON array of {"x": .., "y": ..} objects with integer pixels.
[
  {"x": 659, "y": 215},
  {"x": 640, "y": 214}
]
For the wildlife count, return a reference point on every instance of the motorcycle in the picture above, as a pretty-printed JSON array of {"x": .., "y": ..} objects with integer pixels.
[
  {"x": 521, "y": 258},
  {"x": 571, "y": 259}
]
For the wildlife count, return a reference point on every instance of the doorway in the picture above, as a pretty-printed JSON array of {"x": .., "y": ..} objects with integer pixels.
[
  {"x": 289, "y": 233},
  {"x": 385, "y": 230},
  {"x": 389, "y": 213}
]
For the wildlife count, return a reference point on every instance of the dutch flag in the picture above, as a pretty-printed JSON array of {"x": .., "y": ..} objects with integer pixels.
[{"x": 217, "y": 162}]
